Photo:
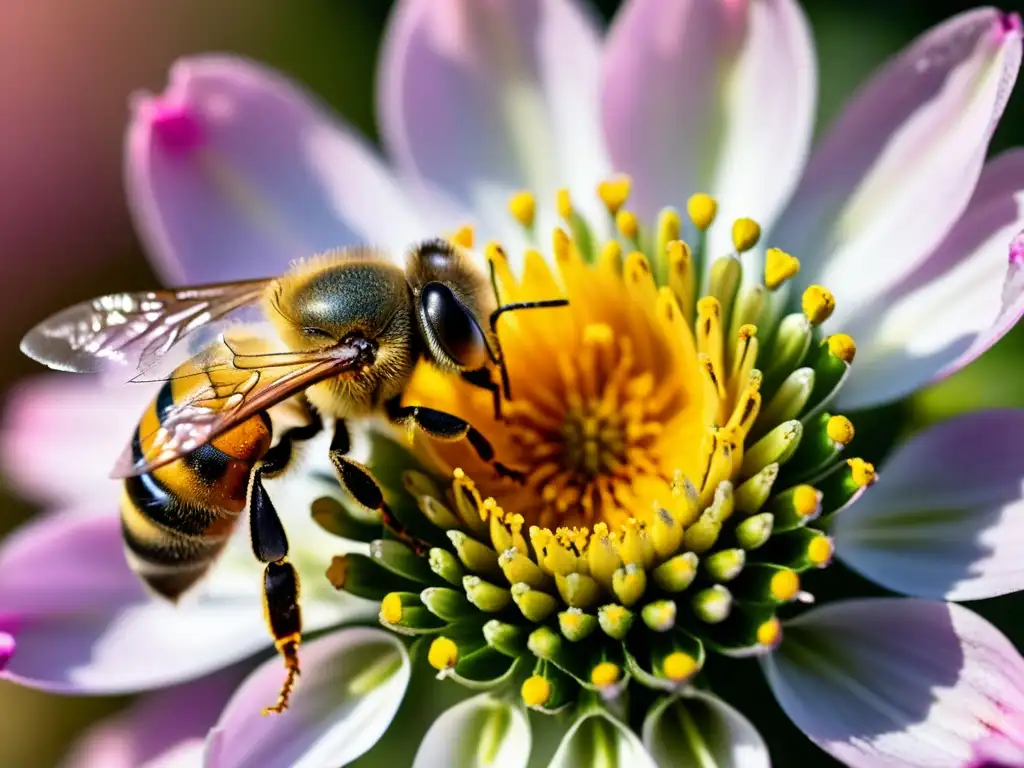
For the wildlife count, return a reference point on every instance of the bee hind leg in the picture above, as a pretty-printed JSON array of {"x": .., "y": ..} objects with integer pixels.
[{"x": 280, "y": 585}]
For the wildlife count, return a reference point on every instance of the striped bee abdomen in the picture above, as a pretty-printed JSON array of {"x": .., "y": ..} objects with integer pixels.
[{"x": 177, "y": 518}]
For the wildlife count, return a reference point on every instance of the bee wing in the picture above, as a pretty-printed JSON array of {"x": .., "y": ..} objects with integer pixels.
[
  {"x": 126, "y": 335},
  {"x": 234, "y": 387}
]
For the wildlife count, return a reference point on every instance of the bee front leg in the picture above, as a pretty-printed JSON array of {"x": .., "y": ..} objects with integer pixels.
[
  {"x": 364, "y": 488},
  {"x": 482, "y": 378},
  {"x": 444, "y": 426},
  {"x": 280, "y": 585}
]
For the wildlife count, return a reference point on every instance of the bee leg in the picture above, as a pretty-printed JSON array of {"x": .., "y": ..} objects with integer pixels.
[
  {"x": 276, "y": 460},
  {"x": 364, "y": 488},
  {"x": 444, "y": 426},
  {"x": 280, "y": 585},
  {"x": 482, "y": 378}
]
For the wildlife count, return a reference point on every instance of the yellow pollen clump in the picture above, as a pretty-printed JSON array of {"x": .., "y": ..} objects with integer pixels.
[
  {"x": 614, "y": 193},
  {"x": 769, "y": 633},
  {"x": 523, "y": 206},
  {"x": 842, "y": 346},
  {"x": 563, "y": 202},
  {"x": 840, "y": 430},
  {"x": 627, "y": 224},
  {"x": 862, "y": 472},
  {"x": 536, "y": 691},
  {"x": 779, "y": 266},
  {"x": 463, "y": 237},
  {"x": 443, "y": 654},
  {"x": 820, "y": 550},
  {"x": 679, "y": 666},
  {"x": 805, "y": 500},
  {"x": 604, "y": 674},
  {"x": 702, "y": 210},
  {"x": 391, "y": 608},
  {"x": 785, "y": 585},
  {"x": 818, "y": 304},
  {"x": 745, "y": 234}
]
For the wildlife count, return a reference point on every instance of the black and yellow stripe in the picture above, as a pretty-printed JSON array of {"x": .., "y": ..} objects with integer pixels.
[{"x": 177, "y": 518}]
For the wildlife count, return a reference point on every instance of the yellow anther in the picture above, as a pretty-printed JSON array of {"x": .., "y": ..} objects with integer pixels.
[
  {"x": 840, "y": 430},
  {"x": 391, "y": 608},
  {"x": 820, "y": 551},
  {"x": 745, "y": 234},
  {"x": 842, "y": 346},
  {"x": 458, "y": 473},
  {"x": 463, "y": 237},
  {"x": 702, "y": 209},
  {"x": 818, "y": 304},
  {"x": 779, "y": 266},
  {"x": 563, "y": 201},
  {"x": 862, "y": 472},
  {"x": 523, "y": 206},
  {"x": 561, "y": 244},
  {"x": 785, "y": 586},
  {"x": 614, "y": 193},
  {"x": 611, "y": 256},
  {"x": 747, "y": 331},
  {"x": 627, "y": 224},
  {"x": 536, "y": 691},
  {"x": 443, "y": 653},
  {"x": 669, "y": 229},
  {"x": 770, "y": 633},
  {"x": 679, "y": 666},
  {"x": 806, "y": 499},
  {"x": 604, "y": 674}
]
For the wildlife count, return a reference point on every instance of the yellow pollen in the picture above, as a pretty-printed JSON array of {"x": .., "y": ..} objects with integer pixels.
[
  {"x": 785, "y": 585},
  {"x": 818, "y": 304},
  {"x": 842, "y": 346},
  {"x": 598, "y": 333},
  {"x": 805, "y": 500},
  {"x": 614, "y": 193},
  {"x": 523, "y": 206},
  {"x": 820, "y": 550},
  {"x": 679, "y": 666},
  {"x": 745, "y": 234},
  {"x": 862, "y": 472},
  {"x": 604, "y": 674},
  {"x": 463, "y": 237},
  {"x": 779, "y": 266},
  {"x": 769, "y": 633},
  {"x": 563, "y": 202},
  {"x": 391, "y": 608},
  {"x": 627, "y": 224},
  {"x": 840, "y": 430},
  {"x": 536, "y": 691},
  {"x": 443, "y": 653},
  {"x": 702, "y": 209}
]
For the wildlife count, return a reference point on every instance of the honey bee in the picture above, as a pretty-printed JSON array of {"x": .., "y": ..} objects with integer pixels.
[{"x": 353, "y": 326}]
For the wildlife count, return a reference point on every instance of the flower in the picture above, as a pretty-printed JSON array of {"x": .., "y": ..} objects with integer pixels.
[{"x": 711, "y": 493}]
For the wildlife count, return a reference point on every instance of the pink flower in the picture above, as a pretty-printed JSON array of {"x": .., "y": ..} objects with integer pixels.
[{"x": 234, "y": 171}]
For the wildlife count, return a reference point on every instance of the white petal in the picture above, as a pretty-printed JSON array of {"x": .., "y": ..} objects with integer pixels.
[
  {"x": 897, "y": 682},
  {"x": 600, "y": 738},
  {"x": 946, "y": 517},
  {"x": 894, "y": 173},
  {"x": 353, "y": 683},
  {"x": 479, "y": 732},
  {"x": 690, "y": 729}
]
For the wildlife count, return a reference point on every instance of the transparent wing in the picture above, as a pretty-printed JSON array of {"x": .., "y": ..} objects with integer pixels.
[
  {"x": 231, "y": 381},
  {"x": 129, "y": 336}
]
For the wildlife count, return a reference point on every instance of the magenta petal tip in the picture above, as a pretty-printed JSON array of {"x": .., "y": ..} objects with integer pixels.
[
  {"x": 7, "y": 645},
  {"x": 176, "y": 126},
  {"x": 1017, "y": 250},
  {"x": 1010, "y": 23}
]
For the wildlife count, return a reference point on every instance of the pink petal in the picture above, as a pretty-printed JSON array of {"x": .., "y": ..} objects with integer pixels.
[
  {"x": 485, "y": 98},
  {"x": 893, "y": 174},
  {"x": 61, "y": 435},
  {"x": 233, "y": 171},
  {"x": 710, "y": 96},
  {"x": 887, "y": 682},
  {"x": 353, "y": 684},
  {"x": 946, "y": 517},
  {"x": 166, "y": 728},
  {"x": 961, "y": 300}
]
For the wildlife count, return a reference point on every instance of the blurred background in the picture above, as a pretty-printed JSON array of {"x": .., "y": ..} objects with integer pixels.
[{"x": 66, "y": 71}]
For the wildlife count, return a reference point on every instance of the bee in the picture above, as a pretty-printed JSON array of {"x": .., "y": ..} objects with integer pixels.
[{"x": 353, "y": 326}]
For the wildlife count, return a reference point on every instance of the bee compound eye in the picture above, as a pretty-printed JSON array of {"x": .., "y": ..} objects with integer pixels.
[{"x": 451, "y": 326}]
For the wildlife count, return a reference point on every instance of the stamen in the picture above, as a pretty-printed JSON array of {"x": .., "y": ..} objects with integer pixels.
[
  {"x": 563, "y": 202},
  {"x": 536, "y": 691},
  {"x": 745, "y": 234},
  {"x": 863, "y": 473},
  {"x": 669, "y": 228},
  {"x": 391, "y": 608},
  {"x": 614, "y": 193},
  {"x": 702, "y": 210},
  {"x": 443, "y": 654},
  {"x": 840, "y": 430},
  {"x": 604, "y": 674},
  {"x": 463, "y": 237},
  {"x": 627, "y": 224},
  {"x": 679, "y": 666},
  {"x": 842, "y": 346},
  {"x": 779, "y": 267},
  {"x": 785, "y": 586},
  {"x": 818, "y": 304},
  {"x": 820, "y": 551},
  {"x": 523, "y": 206},
  {"x": 769, "y": 633}
]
